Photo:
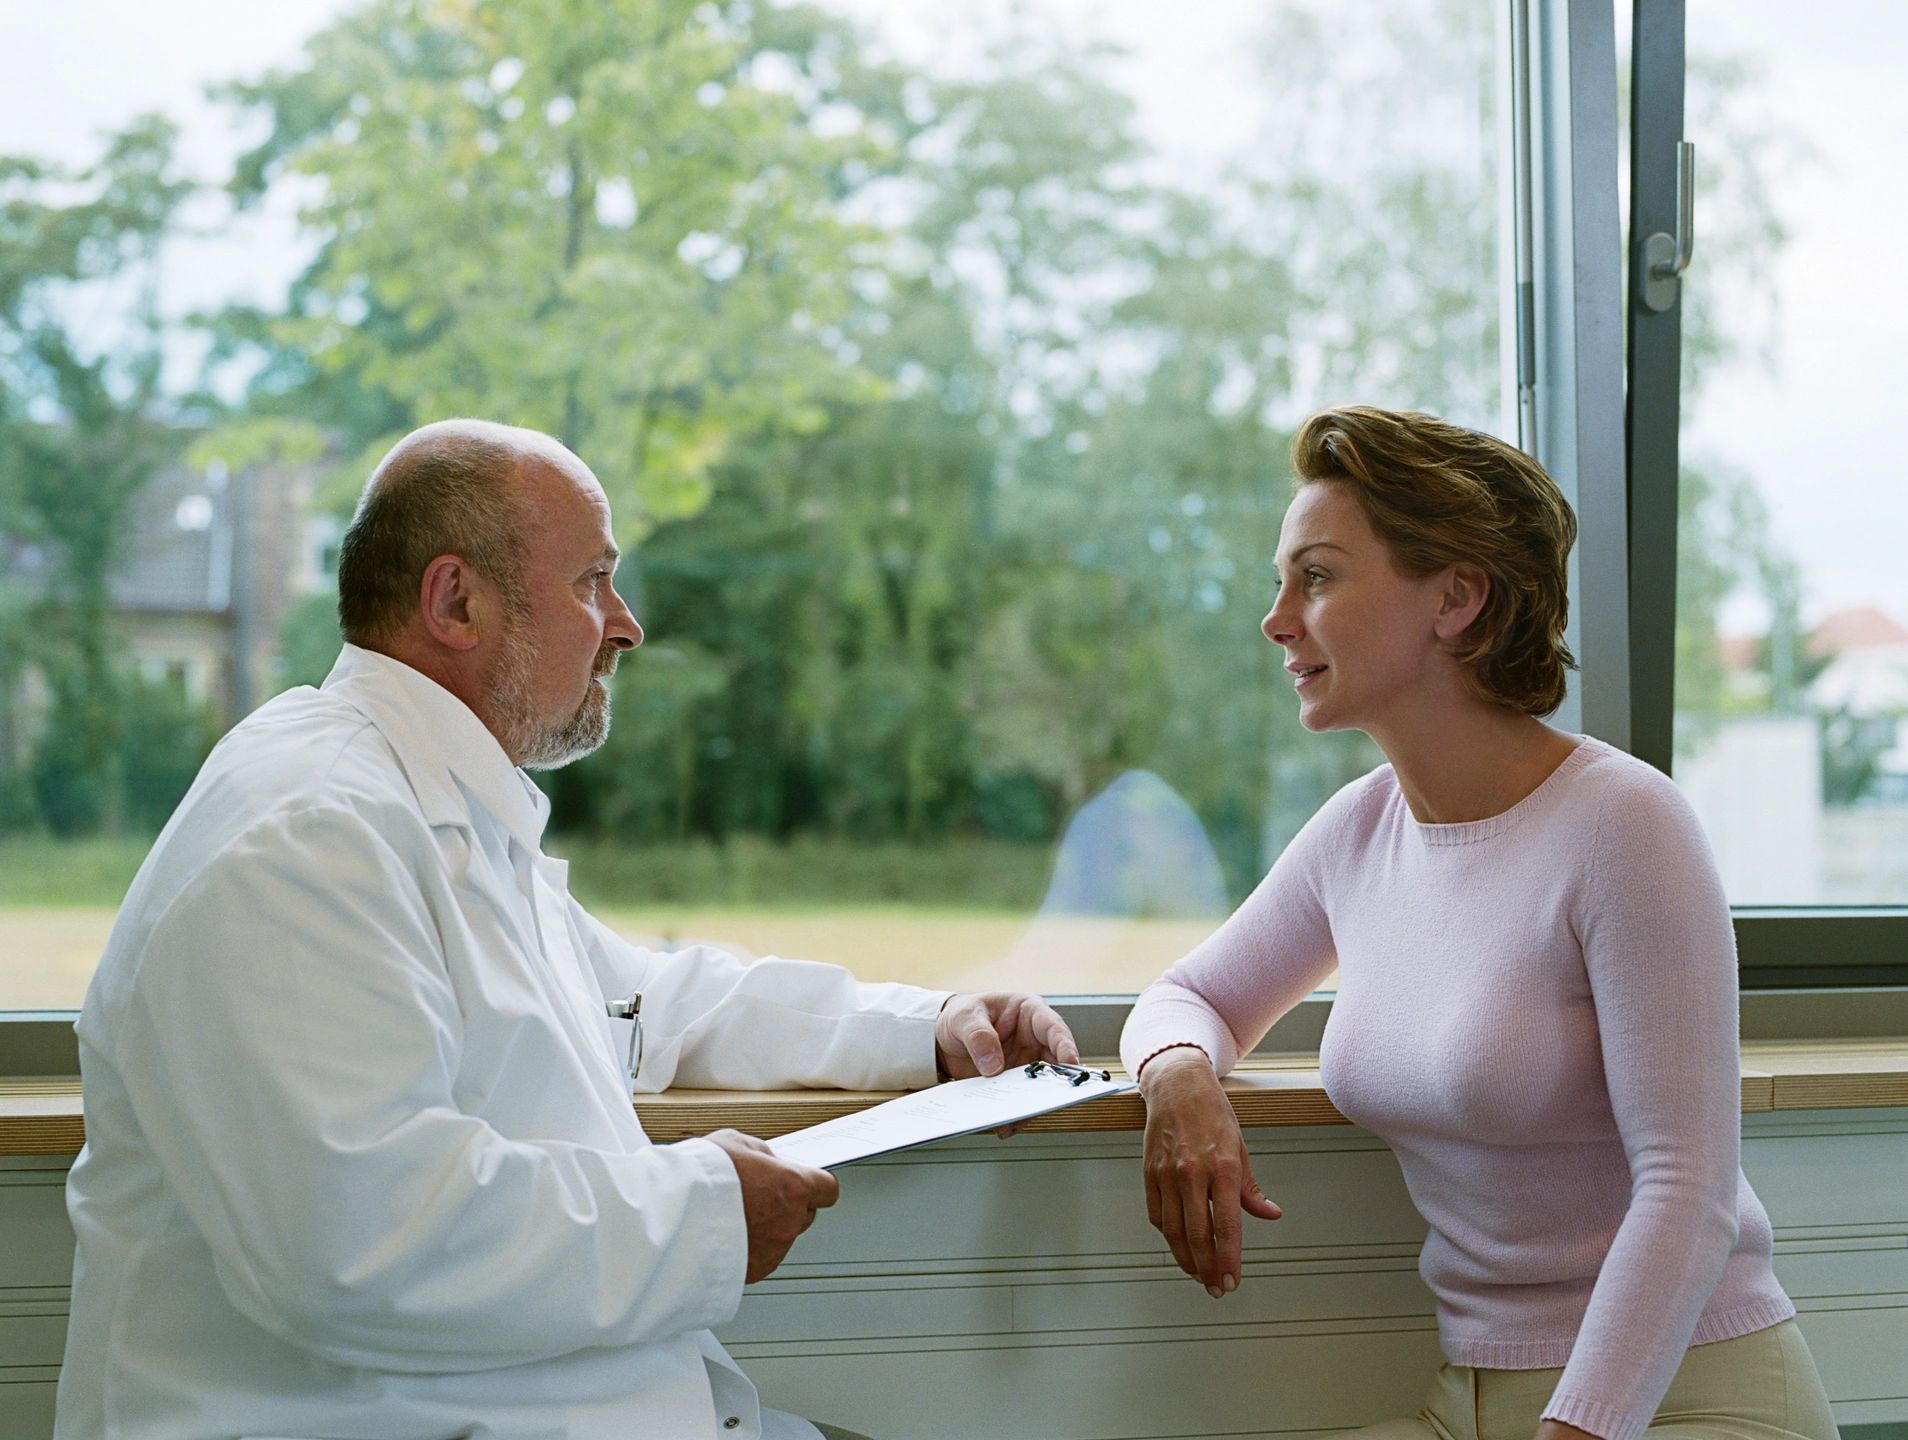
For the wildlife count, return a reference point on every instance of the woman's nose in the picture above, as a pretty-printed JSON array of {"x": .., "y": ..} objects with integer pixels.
[{"x": 1279, "y": 629}]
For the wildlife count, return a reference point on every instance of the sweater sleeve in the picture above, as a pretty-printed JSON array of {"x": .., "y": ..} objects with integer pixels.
[
  {"x": 1268, "y": 955},
  {"x": 1660, "y": 956}
]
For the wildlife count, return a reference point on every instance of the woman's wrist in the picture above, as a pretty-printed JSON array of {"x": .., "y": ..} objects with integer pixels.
[
  {"x": 1161, "y": 1066},
  {"x": 1559, "y": 1430}
]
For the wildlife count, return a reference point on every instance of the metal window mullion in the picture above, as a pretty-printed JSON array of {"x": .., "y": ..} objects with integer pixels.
[
  {"x": 1653, "y": 402},
  {"x": 1523, "y": 227},
  {"x": 1776, "y": 948},
  {"x": 1576, "y": 279}
]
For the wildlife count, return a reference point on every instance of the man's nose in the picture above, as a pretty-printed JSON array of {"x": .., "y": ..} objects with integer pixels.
[{"x": 622, "y": 631}]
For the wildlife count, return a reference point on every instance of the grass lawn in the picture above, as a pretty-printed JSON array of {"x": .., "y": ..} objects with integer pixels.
[
  {"x": 61, "y": 874},
  {"x": 47, "y": 954},
  {"x": 57, "y": 902}
]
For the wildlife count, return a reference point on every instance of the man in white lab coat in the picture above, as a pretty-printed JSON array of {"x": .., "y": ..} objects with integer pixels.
[{"x": 361, "y": 1159}]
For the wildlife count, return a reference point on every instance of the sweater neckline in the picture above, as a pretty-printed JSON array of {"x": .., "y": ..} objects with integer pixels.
[{"x": 1469, "y": 832}]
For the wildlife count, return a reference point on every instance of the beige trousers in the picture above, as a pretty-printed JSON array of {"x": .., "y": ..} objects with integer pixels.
[{"x": 1756, "y": 1387}]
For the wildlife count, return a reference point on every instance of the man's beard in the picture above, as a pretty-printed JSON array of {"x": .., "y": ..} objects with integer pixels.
[{"x": 513, "y": 714}]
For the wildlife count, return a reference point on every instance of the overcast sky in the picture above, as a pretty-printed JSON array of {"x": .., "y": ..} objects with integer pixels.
[
  {"x": 1819, "y": 431},
  {"x": 1814, "y": 431}
]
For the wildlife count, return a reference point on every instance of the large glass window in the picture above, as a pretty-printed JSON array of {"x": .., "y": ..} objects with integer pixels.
[
  {"x": 940, "y": 365},
  {"x": 1791, "y": 730}
]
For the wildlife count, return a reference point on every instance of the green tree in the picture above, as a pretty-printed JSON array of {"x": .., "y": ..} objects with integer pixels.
[
  {"x": 851, "y": 572},
  {"x": 600, "y": 218},
  {"x": 308, "y": 639},
  {"x": 1726, "y": 544},
  {"x": 1385, "y": 227},
  {"x": 646, "y": 778},
  {"x": 962, "y": 440},
  {"x": 80, "y": 433}
]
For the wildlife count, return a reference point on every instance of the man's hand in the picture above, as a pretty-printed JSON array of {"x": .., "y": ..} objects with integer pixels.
[
  {"x": 1198, "y": 1175},
  {"x": 779, "y": 1198},
  {"x": 984, "y": 1034}
]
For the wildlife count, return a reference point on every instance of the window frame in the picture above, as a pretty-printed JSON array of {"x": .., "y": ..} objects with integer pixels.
[
  {"x": 1606, "y": 425},
  {"x": 1777, "y": 946}
]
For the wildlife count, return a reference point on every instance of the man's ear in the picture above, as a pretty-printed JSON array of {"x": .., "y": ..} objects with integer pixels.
[
  {"x": 1465, "y": 590},
  {"x": 453, "y": 603}
]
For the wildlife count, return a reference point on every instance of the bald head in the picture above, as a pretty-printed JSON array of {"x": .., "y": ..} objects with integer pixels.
[{"x": 455, "y": 487}]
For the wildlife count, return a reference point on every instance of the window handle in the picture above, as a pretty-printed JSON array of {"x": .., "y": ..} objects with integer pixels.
[{"x": 1667, "y": 256}]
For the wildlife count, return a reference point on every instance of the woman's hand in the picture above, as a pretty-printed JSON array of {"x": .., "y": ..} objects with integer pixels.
[
  {"x": 1558, "y": 1430},
  {"x": 1198, "y": 1175}
]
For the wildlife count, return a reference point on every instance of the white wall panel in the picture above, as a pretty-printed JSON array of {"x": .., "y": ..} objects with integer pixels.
[{"x": 956, "y": 1287}]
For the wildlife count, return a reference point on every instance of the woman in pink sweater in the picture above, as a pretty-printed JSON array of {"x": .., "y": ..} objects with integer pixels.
[{"x": 1536, "y": 1000}]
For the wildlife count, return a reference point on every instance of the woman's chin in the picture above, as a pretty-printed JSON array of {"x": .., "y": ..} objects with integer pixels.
[{"x": 1318, "y": 715}]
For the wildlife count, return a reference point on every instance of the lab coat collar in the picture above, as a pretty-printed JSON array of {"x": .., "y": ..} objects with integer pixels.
[{"x": 448, "y": 754}]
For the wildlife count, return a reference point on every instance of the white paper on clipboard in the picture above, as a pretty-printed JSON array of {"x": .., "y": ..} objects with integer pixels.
[{"x": 959, "y": 1107}]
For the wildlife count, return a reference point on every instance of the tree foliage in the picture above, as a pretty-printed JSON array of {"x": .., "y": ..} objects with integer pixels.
[
  {"x": 946, "y": 422},
  {"x": 598, "y": 218},
  {"x": 80, "y": 434}
]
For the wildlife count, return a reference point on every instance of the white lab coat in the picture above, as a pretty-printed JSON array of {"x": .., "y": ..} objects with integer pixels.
[{"x": 361, "y": 1159}]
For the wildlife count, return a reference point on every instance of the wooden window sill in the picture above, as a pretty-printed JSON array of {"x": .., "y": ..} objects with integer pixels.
[{"x": 41, "y": 1115}]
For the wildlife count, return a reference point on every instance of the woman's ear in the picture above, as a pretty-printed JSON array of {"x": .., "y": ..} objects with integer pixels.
[{"x": 1465, "y": 590}]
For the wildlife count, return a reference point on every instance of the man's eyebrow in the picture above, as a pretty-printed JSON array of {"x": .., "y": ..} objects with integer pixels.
[{"x": 610, "y": 555}]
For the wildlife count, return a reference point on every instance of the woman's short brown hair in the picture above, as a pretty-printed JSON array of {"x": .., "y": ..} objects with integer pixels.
[{"x": 1437, "y": 495}]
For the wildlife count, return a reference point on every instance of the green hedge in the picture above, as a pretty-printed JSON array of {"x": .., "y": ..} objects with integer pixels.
[
  {"x": 810, "y": 873},
  {"x": 748, "y": 872}
]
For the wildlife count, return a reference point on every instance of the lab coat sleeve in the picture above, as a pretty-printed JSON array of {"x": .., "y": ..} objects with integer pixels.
[
  {"x": 714, "y": 1021},
  {"x": 291, "y": 1050}
]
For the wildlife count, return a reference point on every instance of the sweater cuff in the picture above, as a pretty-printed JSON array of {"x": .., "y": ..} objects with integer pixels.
[
  {"x": 1595, "y": 1417},
  {"x": 1161, "y": 1049}
]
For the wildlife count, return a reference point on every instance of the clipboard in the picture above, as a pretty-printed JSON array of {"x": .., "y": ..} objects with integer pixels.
[{"x": 959, "y": 1107}]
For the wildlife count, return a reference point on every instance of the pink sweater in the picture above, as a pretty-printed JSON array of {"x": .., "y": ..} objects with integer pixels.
[{"x": 1538, "y": 1013}]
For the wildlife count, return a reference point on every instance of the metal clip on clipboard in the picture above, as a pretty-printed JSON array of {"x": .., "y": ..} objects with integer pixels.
[{"x": 1072, "y": 1074}]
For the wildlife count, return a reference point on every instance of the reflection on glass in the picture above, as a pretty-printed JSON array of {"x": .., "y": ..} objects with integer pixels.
[
  {"x": 1792, "y": 624},
  {"x": 941, "y": 365}
]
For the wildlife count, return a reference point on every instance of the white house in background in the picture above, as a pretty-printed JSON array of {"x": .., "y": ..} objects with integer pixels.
[
  {"x": 1755, "y": 781},
  {"x": 1867, "y": 675},
  {"x": 1867, "y": 670},
  {"x": 211, "y": 564}
]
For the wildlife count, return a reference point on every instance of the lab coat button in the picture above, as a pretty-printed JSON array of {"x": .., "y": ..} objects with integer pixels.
[{"x": 732, "y": 1422}]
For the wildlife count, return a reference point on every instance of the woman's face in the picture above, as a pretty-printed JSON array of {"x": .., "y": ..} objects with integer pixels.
[{"x": 1360, "y": 639}]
